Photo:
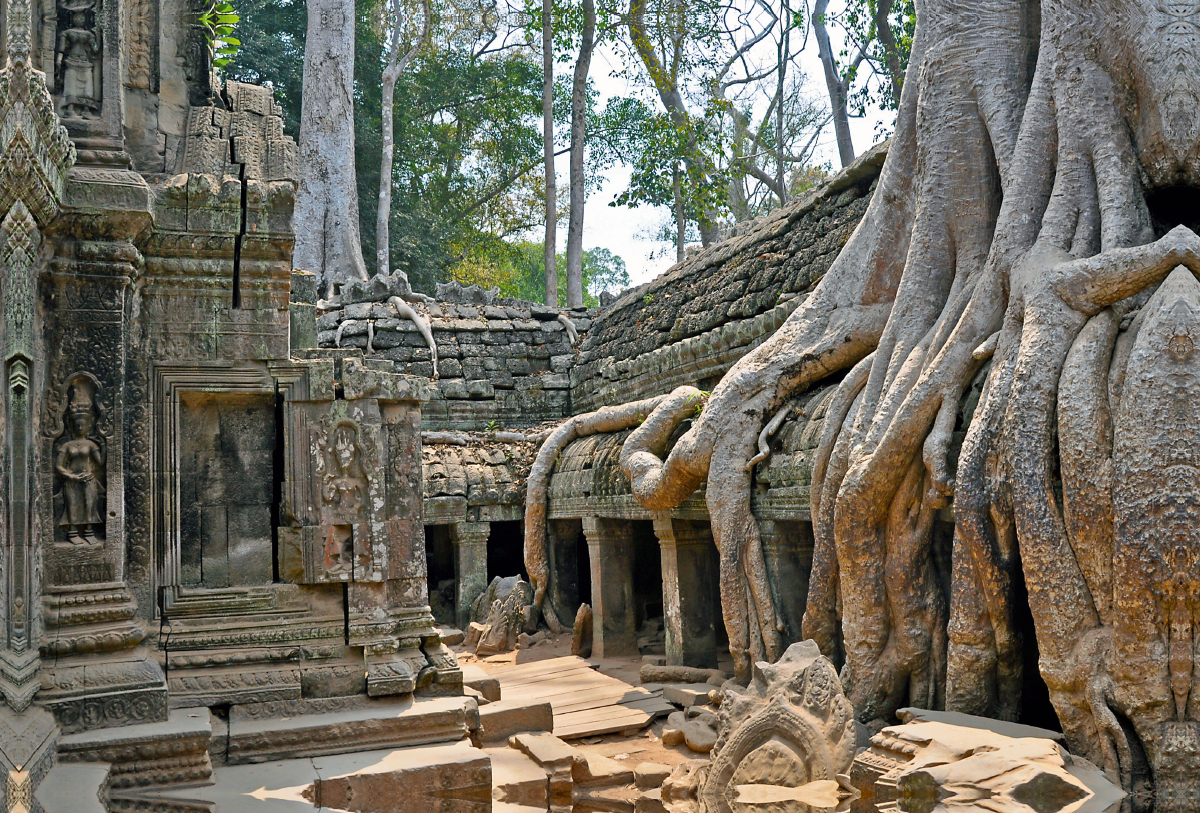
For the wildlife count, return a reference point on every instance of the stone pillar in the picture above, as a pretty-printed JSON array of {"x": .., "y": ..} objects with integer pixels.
[
  {"x": 610, "y": 549},
  {"x": 788, "y": 550},
  {"x": 691, "y": 591},
  {"x": 470, "y": 548}
]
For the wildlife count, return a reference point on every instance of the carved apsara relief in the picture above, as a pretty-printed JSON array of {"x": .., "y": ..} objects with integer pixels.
[
  {"x": 80, "y": 466},
  {"x": 343, "y": 504},
  {"x": 77, "y": 52}
]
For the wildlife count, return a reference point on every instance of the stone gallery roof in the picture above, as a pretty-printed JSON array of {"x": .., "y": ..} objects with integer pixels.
[{"x": 691, "y": 324}]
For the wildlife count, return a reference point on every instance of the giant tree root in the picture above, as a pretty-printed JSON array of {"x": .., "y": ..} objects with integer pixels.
[{"x": 537, "y": 560}]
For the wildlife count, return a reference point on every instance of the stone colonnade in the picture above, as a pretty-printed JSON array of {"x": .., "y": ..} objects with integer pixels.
[{"x": 690, "y": 580}]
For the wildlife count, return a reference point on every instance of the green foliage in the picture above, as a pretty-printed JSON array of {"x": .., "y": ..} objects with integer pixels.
[
  {"x": 873, "y": 87},
  {"x": 218, "y": 21},
  {"x": 518, "y": 269}
]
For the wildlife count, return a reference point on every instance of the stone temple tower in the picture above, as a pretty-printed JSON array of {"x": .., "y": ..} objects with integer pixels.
[{"x": 198, "y": 508}]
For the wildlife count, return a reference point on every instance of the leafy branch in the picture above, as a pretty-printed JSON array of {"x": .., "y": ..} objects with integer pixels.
[{"x": 218, "y": 21}]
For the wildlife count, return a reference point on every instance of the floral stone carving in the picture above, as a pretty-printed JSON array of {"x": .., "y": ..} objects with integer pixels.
[{"x": 790, "y": 727}]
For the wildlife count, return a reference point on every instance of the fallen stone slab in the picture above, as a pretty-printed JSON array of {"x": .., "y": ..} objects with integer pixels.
[
  {"x": 500, "y": 720},
  {"x": 957, "y": 718},
  {"x": 599, "y": 770},
  {"x": 649, "y": 775},
  {"x": 481, "y": 681},
  {"x": 686, "y": 695},
  {"x": 679, "y": 674},
  {"x": 546, "y": 750},
  {"x": 517, "y": 779},
  {"x": 452, "y": 636}
]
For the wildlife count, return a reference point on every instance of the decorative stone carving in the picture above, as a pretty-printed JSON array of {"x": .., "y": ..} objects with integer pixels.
[
  {"x": 76, "y": 60},
  {"x": 343, "y": 500},
  {"x": 35, "y": 157},
  {"x": 80, "y": 465},
  {"x": 791, "y": 726},
  {"x": 247, "y": 131}
]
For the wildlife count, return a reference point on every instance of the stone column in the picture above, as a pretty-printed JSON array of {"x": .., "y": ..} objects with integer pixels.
[
  {"x": 691, "y": 591},
  {"x": 614, "y": 618},
  {"x": 788, "y": 550},
  {"x": 470, "y": 547}
]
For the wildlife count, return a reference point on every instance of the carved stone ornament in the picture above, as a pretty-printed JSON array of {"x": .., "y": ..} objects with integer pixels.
[
  {"x": 791, "y": 727},
  {"x": 80, "y": 466},
  {"x": 35, "y": 156},
  {"x": 77, "y": 52},
  {"x": 343, "y": 499}
]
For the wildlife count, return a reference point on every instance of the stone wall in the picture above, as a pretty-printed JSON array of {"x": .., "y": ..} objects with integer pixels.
[{"x": 505, "y": 364}]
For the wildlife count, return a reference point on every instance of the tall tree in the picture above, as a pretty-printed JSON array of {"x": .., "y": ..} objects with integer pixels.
[
  {"x": 551, "y": 249},
  {"x": 397, "y": 64},
  {"x": 578, "y": 145},
  {"x": 665, "y": 72},
  {"x": 836, "y": 81},
  {"x": 326, "y": 214}
]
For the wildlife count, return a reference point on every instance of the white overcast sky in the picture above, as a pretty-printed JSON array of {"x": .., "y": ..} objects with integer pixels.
[{"x": 623, "y": 230}]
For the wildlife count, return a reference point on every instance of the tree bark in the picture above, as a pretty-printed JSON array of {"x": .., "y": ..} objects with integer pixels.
[
  {"x": 578, "y": 145},
  {"x": 891, "y": 50},
  {"x": 834, "y": 84},
  {"x": 551, "y": 244},
  {"x": 395, "y": 68},
  {"x": 326, "y": 216}
]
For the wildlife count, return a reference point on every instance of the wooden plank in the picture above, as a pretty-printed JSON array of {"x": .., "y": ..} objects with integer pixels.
[
  {"x": 534, "y": 680},
  {"x": 587, "y": 700},
  {"x": 570, "y": 729},
  {"x": 543, "y": 667}
]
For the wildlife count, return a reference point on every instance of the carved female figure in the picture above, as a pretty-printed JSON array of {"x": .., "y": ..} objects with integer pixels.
[
  {"x": 80, "y": 463},
  {"x": 74, "y": 60},
  {"x": 343, "y": 495}
]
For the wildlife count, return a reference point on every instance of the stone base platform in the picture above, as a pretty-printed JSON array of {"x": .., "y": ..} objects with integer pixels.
[{"x": 310, "y": 728}]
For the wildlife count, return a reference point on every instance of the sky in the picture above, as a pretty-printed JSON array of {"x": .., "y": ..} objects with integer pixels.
[{"x": 623, "y": 230}]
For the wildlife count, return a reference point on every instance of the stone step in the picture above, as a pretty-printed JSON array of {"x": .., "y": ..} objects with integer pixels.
[
  {"x": 262, "y": 735},
  {"x": 173, "y": 751},
  {"x": 73, "y": 788},
  {"x": 517, "y": 779}
]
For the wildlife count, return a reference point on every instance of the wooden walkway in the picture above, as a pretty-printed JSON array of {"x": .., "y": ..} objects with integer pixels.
[{"x": 586, "y": 702}]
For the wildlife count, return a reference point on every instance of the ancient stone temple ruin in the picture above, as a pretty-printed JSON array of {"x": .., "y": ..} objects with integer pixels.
[
  {"x": 201, "y": 510},
  {"x": 904, "y": 470}
]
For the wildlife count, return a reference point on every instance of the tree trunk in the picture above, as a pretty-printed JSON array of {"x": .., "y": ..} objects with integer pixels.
[
  {"x": 891, "y": 51},
  {"x": 396, "y": 66},
  {"x": 326, "y": 215},
  {"x": 578, "y": 145},
  {"x": 834, "y": 84},
  {"x": 551, "y": 247},
  {"x": 784, "y": 55},
  {"x": 680, "y": 219},
  {"x": 668, "y": 92}
]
